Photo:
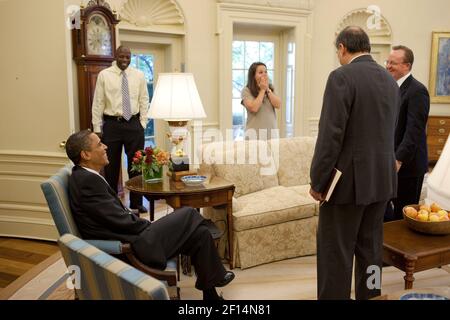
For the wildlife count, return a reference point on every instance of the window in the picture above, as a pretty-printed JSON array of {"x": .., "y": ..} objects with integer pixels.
[
  {"x": 244, "y": 54},
  {"x": 144, "y": 62},
  {"x": 290, "y": 89}
]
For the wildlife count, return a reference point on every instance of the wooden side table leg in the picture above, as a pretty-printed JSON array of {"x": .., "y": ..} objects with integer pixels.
[
  {"x": 230, "y": 228},
  {"x": 409, "y": 277}
]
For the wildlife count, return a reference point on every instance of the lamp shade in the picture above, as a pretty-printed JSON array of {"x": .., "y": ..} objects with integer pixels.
[{"x": 176, "y": 98}]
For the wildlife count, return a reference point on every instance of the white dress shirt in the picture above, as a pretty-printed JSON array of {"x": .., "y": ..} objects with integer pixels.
[
  {"x": 402, "y": 79},
  {"x": 94, "y": 172},
  {"x": 108, "y": 95}
]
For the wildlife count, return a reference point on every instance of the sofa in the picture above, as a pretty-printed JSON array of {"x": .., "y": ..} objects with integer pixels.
[{"x": 274, "y": 217}]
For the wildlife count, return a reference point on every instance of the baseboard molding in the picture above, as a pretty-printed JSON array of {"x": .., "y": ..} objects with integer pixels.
[
  {"x": 29, "y": 230},
  {"x": 23, "y": 209}
]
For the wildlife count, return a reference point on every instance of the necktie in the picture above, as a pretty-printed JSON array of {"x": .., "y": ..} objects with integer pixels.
[{"x": 126, "y": 104}]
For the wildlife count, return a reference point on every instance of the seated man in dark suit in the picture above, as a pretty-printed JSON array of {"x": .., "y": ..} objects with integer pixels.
[{"x": 99, "y": 214}]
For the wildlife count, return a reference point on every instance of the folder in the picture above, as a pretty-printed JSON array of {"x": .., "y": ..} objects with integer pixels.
[{"x": 335, "y": 176}]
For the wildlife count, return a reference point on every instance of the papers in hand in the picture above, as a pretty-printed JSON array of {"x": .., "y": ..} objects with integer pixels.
[{"x": 335, "y": 176}]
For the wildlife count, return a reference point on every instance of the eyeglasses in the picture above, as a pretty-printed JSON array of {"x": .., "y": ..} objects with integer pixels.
[{"x": 392, "y": 63}]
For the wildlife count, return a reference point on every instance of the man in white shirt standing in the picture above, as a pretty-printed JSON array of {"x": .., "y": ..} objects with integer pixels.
[{"x": 119, "y": 116}]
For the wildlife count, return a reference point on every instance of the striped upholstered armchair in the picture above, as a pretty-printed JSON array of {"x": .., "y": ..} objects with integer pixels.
[
  {"x": 55, "y": 190},
  {"x": 103, "y": 277}
]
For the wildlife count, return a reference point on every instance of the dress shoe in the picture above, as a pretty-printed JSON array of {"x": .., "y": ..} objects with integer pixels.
[
  {"x": 229, "y": 276},
  {"x": 141, "y": 209}
]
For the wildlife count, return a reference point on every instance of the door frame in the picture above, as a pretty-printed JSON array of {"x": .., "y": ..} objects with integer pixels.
[
  {"x": 169, "y": 48},
  {"x": 300, "y": 20}
]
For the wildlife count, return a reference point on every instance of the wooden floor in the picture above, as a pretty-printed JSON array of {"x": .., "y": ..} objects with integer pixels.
[{"x": 17, "y": 256}]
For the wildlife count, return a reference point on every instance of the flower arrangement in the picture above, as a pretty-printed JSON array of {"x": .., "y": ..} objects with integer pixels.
[{"x": 150, "y": 162}]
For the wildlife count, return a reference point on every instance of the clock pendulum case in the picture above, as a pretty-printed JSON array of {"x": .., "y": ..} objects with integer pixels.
[{"x": 94, "y": 45}]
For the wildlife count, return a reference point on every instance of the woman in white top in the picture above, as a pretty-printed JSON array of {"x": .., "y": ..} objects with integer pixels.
[{"x": 260, "y": 102}]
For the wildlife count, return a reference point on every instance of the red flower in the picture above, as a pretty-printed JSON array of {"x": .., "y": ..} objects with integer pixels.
[{"x": 149, "y": 151}]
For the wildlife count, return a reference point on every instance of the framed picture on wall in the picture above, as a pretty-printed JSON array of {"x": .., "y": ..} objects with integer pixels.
[{"x": 440, "y": 68}]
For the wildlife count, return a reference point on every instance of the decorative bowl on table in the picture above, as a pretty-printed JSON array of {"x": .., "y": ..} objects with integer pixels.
[
  {"x": 193, "y": 180},
  {"x": 429, "y": 220},
  {"x": 422, "y": 296}
]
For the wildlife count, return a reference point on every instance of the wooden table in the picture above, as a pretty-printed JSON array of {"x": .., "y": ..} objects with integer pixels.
[
  {"x": 214, "y": 192},
  {"x": 411, "y": 251}
]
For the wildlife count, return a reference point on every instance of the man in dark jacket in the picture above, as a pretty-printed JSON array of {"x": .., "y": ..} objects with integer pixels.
[
  {"x": 356, "y": 136},
  {"x": 410, "y": 134},
  {"x": 99, "y": 214}
]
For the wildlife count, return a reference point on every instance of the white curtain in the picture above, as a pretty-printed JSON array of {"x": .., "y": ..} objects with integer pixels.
[{"x": 439, "y": 180}]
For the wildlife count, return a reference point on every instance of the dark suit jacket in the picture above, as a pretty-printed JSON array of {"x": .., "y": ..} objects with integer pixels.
[
  {"x": 410, "y": 134},
  {"x": 99, "y": 214},
  {"x": 356, "y": 134}
]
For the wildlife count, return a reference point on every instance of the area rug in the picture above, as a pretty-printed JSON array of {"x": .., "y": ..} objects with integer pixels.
[
  {"x": 292, "y": 279},
  {"x": 45, "y": 281}
]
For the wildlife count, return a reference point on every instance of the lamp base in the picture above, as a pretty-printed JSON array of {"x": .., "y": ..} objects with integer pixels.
[{"x": 180, "y": 163}]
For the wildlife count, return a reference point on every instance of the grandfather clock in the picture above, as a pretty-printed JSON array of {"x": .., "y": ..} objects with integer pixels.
[{"x": 93, "y": 45}]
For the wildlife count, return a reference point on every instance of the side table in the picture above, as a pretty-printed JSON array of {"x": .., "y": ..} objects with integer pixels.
[{"x": 214, "y": 192}]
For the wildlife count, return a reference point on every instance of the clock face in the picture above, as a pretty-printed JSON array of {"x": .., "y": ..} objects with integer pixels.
[{"x": 98, "y": 36}]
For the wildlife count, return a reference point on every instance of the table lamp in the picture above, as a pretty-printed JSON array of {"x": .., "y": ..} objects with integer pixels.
[{"x": 176, "y": 100}]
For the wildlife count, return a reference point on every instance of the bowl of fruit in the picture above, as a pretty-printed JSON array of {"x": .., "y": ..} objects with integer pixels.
[{"x": 427, "y": 219}]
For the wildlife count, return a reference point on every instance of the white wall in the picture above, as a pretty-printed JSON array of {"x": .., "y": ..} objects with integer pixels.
[
  {"x": 202, "y": 56},
  {"x": 412, "y": 22},
  {"x": 33, "y": 75},
  {"x": 35, "y": 113}
]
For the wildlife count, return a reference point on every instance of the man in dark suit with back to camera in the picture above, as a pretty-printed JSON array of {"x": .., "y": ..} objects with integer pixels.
[
  {"x": 356, "y": 136},
  {"x": 410, "y": 135},
  {"x": 99, "y": 214}
]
